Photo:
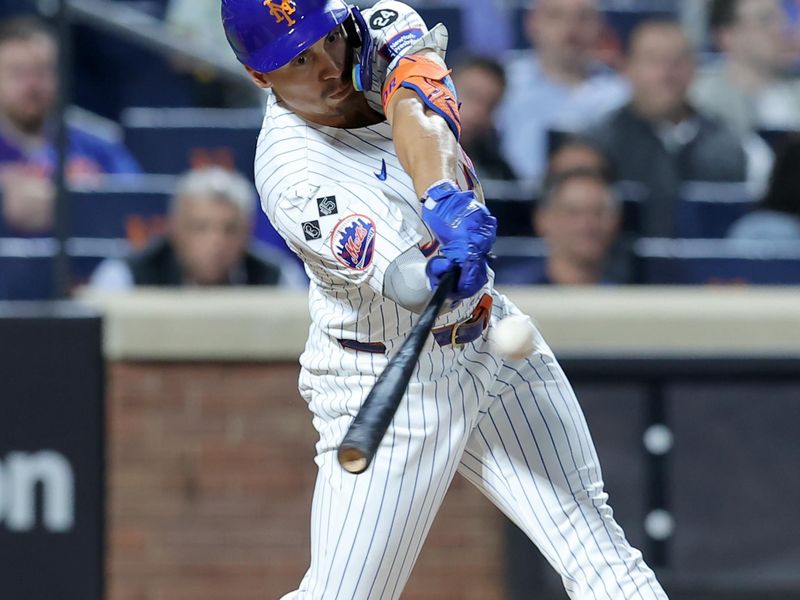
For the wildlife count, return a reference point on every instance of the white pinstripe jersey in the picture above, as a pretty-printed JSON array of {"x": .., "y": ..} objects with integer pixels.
[
  {"x": 346, "y": 207},
  {"x": 513, "y": 428}
]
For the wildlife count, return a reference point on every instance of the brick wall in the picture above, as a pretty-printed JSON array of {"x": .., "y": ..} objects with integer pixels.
[{"x": 210, "y": 473}]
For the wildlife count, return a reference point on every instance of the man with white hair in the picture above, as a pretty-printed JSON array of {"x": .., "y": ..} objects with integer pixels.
[{"x": 207, "y": 241}]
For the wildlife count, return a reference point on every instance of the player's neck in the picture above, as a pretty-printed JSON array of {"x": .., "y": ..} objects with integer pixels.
[
  {"x": 356, "y": 115},
  {"x": 349, "y": 121}
]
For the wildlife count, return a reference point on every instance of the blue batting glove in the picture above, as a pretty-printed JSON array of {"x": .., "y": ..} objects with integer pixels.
[
  {"x": 455, "y": 215},
  {"x": 473, "y": 267}
]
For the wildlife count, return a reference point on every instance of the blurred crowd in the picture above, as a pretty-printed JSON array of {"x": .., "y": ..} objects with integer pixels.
[{"x": 606, "y": 134}]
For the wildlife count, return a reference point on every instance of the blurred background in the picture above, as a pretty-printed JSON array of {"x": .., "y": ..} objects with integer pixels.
[{"x": 624, "y": 145}]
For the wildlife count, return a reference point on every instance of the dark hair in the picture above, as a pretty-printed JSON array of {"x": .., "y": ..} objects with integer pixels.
[
  {"x": 554, "y": 184},
  {"x": 665, "y": 22},
  {"x": 722, "y": 13},
  {"x": 783, "y": 194},
  {"x": 24, "y": 28},
  {"x": 487, "y": 63},
  {"x": 576, "y": 140}
]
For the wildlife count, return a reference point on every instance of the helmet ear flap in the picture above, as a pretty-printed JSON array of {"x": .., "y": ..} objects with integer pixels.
[
  {"x": 360, "y": 39},
  {"x": 351, "y": 30}
]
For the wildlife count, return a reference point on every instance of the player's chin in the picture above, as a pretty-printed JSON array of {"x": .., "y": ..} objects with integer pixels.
[{"x": 342, "y": 94}]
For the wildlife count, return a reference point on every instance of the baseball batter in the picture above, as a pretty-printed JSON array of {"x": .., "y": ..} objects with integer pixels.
[{"x": 359, "y": 169}]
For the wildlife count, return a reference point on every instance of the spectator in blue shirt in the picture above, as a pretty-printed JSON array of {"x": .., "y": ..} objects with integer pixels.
[
  {"x": 557, "y": 86},
  {"x": 28, "y": 92}
]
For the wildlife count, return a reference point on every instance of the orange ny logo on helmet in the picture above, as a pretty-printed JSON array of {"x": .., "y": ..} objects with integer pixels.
[{"x": 282, "y": 11}]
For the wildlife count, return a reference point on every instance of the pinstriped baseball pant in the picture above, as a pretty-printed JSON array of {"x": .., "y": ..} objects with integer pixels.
[{"x": 513, "y": 429}]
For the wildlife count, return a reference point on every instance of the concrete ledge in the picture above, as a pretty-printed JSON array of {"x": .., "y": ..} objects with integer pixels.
[
  {"x": 269, "y": 325},
  {"x": 203, "y": 325}
]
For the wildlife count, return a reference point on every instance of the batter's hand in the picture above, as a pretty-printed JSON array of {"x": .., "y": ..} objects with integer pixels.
[
  {"x": 472, "y": 263},
  {"x": 454, "y": 215}
]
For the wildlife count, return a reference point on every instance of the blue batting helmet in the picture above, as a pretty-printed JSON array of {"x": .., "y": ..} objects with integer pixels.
[{"x": 267, "y": 34}]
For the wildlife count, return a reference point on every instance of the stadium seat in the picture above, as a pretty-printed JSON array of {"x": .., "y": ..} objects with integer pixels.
[
  {"x": 511, "y": 203},
  {"x": 133, "y": 209},
  {"x": 127, "y": 207},
  {"x": 171, "y": 141},
  {"x": 26, "y": 269},
  {"x": 452, "y": 18},
  {"x": 777, "y": 138},
  {"x": 517, "y": 260},
  {"x": 633, "y": 195},
  {"x": 696, "y": 261},
  {"x": 27, "y": 265},
  {"x": 105, "y": 221},
  {"x": 664, "y": 261},
  {"x": 708, "y": 209}
]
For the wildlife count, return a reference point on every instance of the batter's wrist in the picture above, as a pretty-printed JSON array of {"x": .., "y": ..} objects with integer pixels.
[{"x": 441, "y": 189}]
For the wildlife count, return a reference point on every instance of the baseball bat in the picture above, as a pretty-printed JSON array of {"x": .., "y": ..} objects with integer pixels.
[{"x": 368, "y": 428}]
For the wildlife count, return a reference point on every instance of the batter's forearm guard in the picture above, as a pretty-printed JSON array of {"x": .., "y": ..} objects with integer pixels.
[{"x": 432, "y": 83}]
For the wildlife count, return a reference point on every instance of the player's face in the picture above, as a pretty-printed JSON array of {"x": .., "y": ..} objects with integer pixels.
[
  {"x": 661, "y": 69},
  {"x": 28, "y": 81},
  {"x": 210, "y": 237},
  {"x": 317, "y": 84},
  {"x": 580, "y": 223}
]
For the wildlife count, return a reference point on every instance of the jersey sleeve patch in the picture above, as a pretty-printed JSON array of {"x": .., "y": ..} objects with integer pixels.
[
  {"x": 311, "y": 230},
  {"x": 353, "y": 242},
  {"x": 398, "y": 44},
  {"x": 327, "y": 206},
  {"x": 382, "y": 17}
]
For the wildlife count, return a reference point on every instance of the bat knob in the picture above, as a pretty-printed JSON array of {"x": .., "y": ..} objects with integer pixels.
[{"x": 352, "y": 460}]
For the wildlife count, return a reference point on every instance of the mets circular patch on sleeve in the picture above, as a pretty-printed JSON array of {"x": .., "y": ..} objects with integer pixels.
[{"x": 353, "y": 242}]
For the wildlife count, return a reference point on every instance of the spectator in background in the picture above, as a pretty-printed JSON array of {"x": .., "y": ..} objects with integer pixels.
[
  {"x": 578, "y": 217},
  {"x": 481, "y": 83},
  {"x": 575, "y": 152},
  {"x": 207, "y": 244},
  {"x": 198, "y": 22},
  {"x": 777, "y": 216},
  {"x": 28, "y": 93},
  {"x": 658, "y": 139},
  {"x": 751, "y": 90},
  {"x": 556, "y": 86}
]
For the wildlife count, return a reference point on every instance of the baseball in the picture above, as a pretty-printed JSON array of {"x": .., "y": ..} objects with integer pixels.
[{"x": 513, "y": 337}]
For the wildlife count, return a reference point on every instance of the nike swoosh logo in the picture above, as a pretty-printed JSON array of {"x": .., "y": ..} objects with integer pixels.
[{"x": 382, "y": 174}]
